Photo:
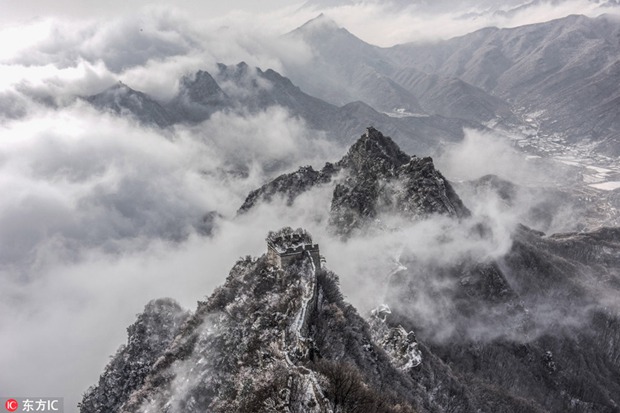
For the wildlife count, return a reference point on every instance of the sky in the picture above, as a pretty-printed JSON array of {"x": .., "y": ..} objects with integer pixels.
[
  {"x": 393, "y": 22},
  {"x": 17, "y": 12},
  {"x": 99, "y": 214}
]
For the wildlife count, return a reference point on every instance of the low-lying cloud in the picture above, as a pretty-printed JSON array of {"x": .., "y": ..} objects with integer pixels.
[
  {"x": 102, "y": 214},
  {"x": 99, "y": 214},
  {"x": 149, "y": 50},
  {"x": 534, "y": 190}
]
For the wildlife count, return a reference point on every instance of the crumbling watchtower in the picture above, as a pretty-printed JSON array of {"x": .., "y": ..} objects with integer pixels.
[{"x": 288, "y": 245}]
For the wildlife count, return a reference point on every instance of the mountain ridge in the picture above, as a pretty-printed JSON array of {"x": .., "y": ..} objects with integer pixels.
[
  {"x": 377, "y": 178},
  {"x": 278, "y": 336},
  {"x": 264, "y": 89}
]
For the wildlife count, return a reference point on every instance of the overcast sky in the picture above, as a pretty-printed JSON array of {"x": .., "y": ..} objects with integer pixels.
[
  {"x": 16, "y": 11},
  {"x": 392, "y": 22}
]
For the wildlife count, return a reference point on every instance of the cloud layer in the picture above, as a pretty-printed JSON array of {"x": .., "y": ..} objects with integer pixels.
[
  {"x": 396, "y": 22},
  {"x": 99, "y": 214}
]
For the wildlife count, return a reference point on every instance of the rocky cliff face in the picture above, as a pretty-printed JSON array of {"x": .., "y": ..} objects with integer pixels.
[
  {"x": 559, "y": 345},
  {"x": 198, "y": 98},
  {"x": 282, "y": 339},
  {"x": 147, "y": 340},
  {"x": 271, "y": 339},
  {"x": 123, "y": 100},
  {"x": 375, "y": 178},
  {"x": 533, "y": 329},
  {"x": 531, "y": 310},
  {"x": 381, "y": 179}
]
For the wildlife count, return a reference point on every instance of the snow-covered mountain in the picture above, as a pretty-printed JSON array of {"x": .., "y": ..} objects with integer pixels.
[
  {"x": 124, "y": 101},
  {"x": 477, "y": 309},
  {"x": 274, "y": 337},
  {"x": 375, "y": 177},
  {"x": 244, "y": 89},
  {"x": 529, "y": 330},
  {"x": 562, "y": 73},
  {"x": 556, "y": 76},
  {"x": 347, "y": 68}
]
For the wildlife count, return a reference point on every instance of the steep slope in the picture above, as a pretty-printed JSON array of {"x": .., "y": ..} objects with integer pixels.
[
  {"x": 381, "y": 179},
  {"x": 348, "y": 68},
  {"x": 148, "y": 338},
  {"x": 562, "y": 69},
  {"x": 564, "y": 355},
  {"x": 198, "y": 98},
  {"x": 545, "y": 310},
  {"x": 278, "y": 337},
  {"x": 255, "y": 90},
  {"x": 375, "y": 178},
  {"x": 535, "y": 328},
  {"x": 243, "y": 89},
  {"x": 123, "y": 100},
  {"x": 273, "y": 338},
  {"x": 453, "y": 97}
]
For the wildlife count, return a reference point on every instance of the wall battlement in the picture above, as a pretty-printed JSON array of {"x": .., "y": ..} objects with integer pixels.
[{"x": 288, "y": 245}]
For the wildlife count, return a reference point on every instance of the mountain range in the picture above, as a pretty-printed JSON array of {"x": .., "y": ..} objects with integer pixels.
[
  {"x": 527, "y": 331},
  {"x": 560, "y": 73},
  {"x": 200, "y": 95},
  {"x": 473, "y": 311},
  {"x": 555, "y": 78}
]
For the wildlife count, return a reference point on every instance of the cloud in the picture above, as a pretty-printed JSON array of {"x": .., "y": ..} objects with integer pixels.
[
  {"x": 26, "y": 10},
  {"x": 149, "y": 50},
  {"x": 97, "y": 221},
  {"x": 100, "y": 214},
  {"x": 396, "y": 23},
  {"x": 529, "y": 188},
  {"x": 483, "y": 153}
]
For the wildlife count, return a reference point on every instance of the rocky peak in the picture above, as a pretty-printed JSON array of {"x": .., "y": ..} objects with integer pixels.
[
  {"x": 121, "y": 99},
  {"x": 282, "y": 339},
  {"x": 271, "y": 339},
  {"x": 198, "y": 98},
  {"x": 321, "y": 22},
  {"x": 233, "y": 72},
  {"x": 289, "y": 186},
  {"x": 147, "y": 338},
  {"x": 377, "y": 179},
  {"x": 201, "y": 88},
  {"x": 117, "y": 91},
  {"x": 373, "y": 153}
]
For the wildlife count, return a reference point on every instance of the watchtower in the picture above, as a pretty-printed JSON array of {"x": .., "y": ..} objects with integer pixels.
[{"x": 287, "y": 245}]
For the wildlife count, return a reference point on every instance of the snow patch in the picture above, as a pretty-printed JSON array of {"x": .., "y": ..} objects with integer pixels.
[{"x": 606, "y": 186}]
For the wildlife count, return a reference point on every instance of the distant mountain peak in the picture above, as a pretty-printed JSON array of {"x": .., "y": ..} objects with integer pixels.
[
  {"x": 119, "y": 87},
  {"x": 375, "y": 170},
  {"x": 322, "y": 21},
  {"x": 121, "y": 99},
  {"x": 373, "y": 149},
  {"x": 201, "y": 87}
]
